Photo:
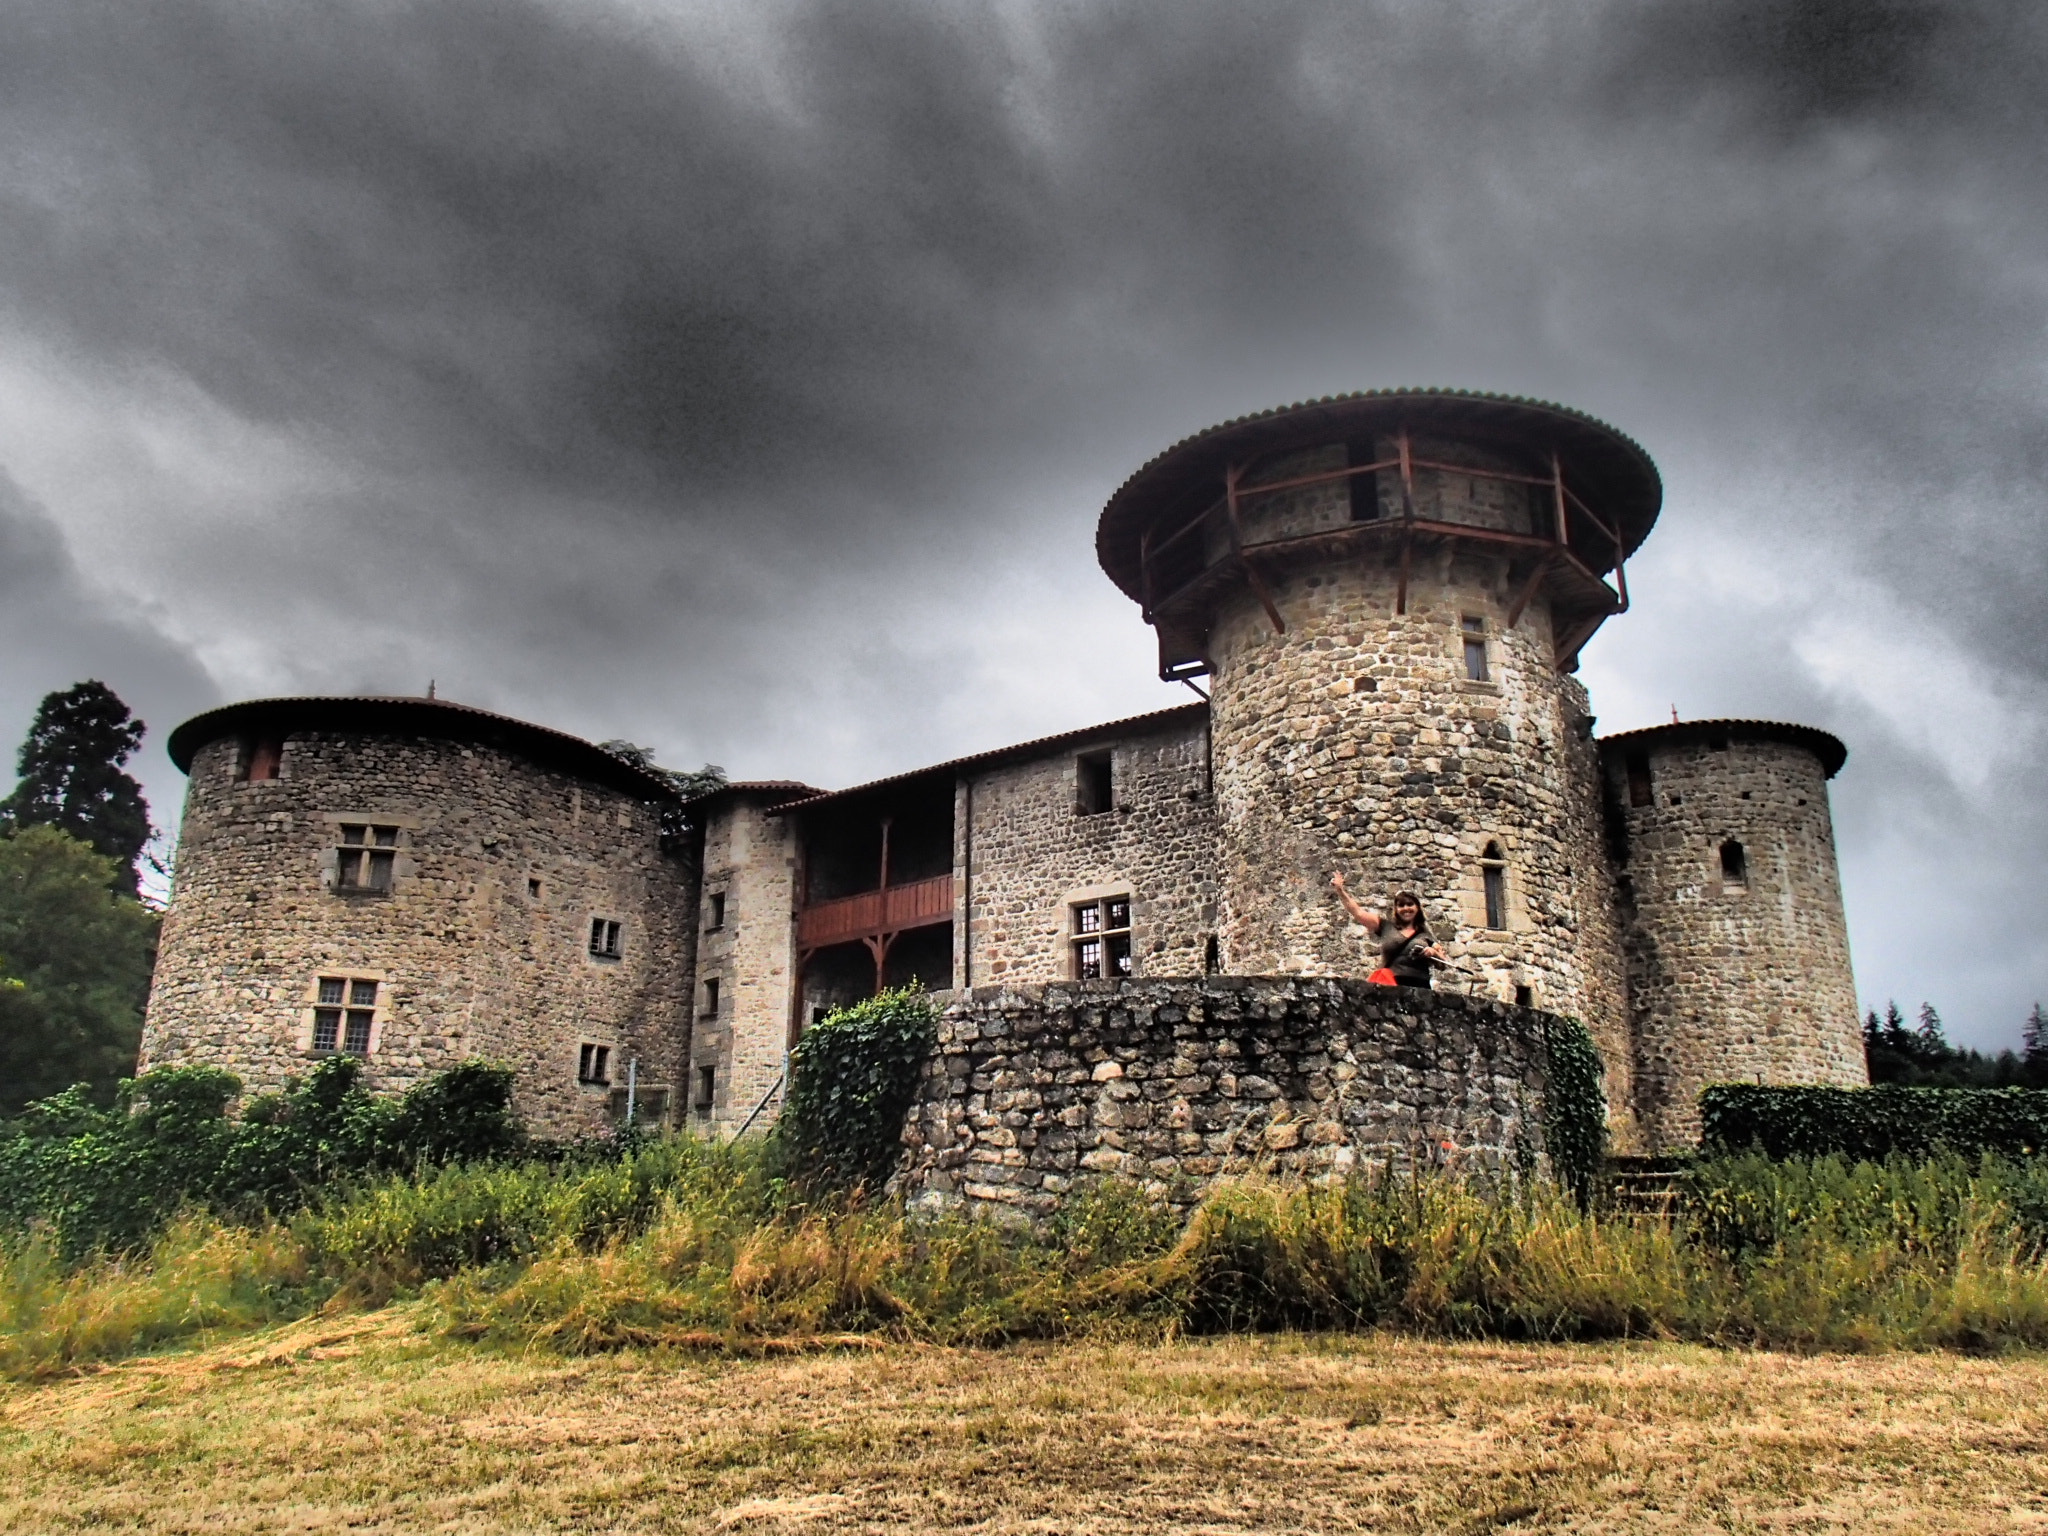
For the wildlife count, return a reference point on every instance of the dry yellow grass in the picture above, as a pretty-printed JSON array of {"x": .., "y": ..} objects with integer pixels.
[{"x": 363, "y": 1424}]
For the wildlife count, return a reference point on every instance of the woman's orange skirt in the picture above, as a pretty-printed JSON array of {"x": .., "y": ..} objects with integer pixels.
[{"x": 1383, "y": 978}]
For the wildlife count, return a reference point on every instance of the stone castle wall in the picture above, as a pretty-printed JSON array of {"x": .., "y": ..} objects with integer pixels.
[
  {"x": 750, "y": 859},
  {"x": 1037, "y": 1089},
  {"x": 1743, "y": 981},
  {"x": 1023, "y": 855},
  {"x": 1355, "y": 742},
  {"x": 481, "y": 947}
]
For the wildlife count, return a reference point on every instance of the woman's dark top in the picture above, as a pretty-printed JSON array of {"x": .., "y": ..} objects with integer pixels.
[{"x": 1402, "y": 954}]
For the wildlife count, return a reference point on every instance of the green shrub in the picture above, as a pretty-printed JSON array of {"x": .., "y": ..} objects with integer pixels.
[
  {"x": 1574, "y": 1105},
  {"x": 853, "y": 1078},
  {"x": 107, "y": 1180},
  {"x": 1872, "y": 1124}
]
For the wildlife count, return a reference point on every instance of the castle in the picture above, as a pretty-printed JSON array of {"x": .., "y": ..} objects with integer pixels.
[{"x": 1386, "y": 595}]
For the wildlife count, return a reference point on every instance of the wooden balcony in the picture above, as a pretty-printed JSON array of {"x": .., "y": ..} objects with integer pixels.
[{"x": 871, "y": 914}]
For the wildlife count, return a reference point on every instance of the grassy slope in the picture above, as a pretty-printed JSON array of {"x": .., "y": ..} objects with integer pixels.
[{"x": 364, "y": 1424}]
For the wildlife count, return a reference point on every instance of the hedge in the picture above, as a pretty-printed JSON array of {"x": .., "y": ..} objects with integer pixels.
[{"x": 1873, "y": 1123}]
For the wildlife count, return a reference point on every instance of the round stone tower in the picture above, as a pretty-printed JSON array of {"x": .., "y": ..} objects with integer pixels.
[
  {"x": 1390, "y": 591},
  {"x": 1731, "y": 909},
  {"x": 416, "y": 882}
]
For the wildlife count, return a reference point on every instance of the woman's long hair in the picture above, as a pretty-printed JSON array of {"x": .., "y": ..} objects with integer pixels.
[{"x": 1409, "y": 899}]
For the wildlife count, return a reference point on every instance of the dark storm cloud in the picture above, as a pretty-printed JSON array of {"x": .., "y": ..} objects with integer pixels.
[{"x": 745, "y": 379}]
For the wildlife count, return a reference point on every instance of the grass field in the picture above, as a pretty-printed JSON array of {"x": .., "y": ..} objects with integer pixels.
[{"x": 366, "y": 1424}]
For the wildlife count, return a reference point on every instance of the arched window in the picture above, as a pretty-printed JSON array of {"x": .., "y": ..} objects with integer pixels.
[
  {"x": 1734, "y": 863},
  {"x": 1493, "y": 880}
]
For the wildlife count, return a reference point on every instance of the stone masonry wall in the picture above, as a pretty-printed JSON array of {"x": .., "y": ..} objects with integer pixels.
[
  {"x": 481, "y": 948},
  {"x": 1355, "y": 742},
  {"x": 750, "y": 859},
  {"x": 1027, "y": 856},
  {"x": 1731, "y": 982},
  {"x": 1035, "y": 1090}
]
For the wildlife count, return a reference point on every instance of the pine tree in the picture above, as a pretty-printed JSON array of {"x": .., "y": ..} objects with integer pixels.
[
  {"x": 1932, "y": 1041},
  {"x": 72, "y": 778},
  {"x": 2034, "y": 1036}
]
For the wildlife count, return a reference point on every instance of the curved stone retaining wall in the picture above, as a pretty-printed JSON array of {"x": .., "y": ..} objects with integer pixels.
[{"x": 1036, "y": 1089}]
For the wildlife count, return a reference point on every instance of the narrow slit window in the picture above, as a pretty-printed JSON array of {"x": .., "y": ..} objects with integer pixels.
[
  {"x": 366, "y": 858},
  {"x": 707, "y": 1089},
  {"x": 1734, "y": 863},
  {"x": 1102, "y": 939},
  {"x": 532, "y": 889},
  {"x": 711, "y": 997},
  {"x": 1640, "y": 790},
  {"x": 604, "y": 938},
  {"x": 1212, "y": 955},
  {"x": 1094, "y": 784},
  {"x": 594, "y": 1064},
  {"x": 715, "y": 916},
  {"x": 1365, "y": 485},
  {"x": 1493, "y": 881},
  {"x": 1474, "y": 631}
]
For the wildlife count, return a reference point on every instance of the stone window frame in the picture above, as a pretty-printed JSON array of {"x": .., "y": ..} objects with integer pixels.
[
  {"x": 713, "y": 991},
  {"x": 1099, "y": 897},
  {"x": 598, "y": 1054},
  {"x": 403, "y": 865},
  {"x": 716, "y": 904},
  {"x": 1737, "y": 884},
  {"x": 259, "y": 752},
  {"x": 705, "y": 1101},
  {"x": 605, "y": 939},
  {"x": 1477, "y": 864},
  {"x": 312, "y": 1007},
  {"x": 1486, "y": 636},
  {"x": 1086, "y": 766}
]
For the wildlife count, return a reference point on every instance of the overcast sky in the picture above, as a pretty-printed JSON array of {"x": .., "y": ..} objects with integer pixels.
[{"x": 746, "y": 380}]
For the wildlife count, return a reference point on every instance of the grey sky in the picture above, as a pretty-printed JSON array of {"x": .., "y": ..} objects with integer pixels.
[{"x": 746, "y": 379}]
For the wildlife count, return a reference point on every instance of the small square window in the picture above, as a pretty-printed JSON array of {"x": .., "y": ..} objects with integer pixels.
[
  {"x": 593, "y": 1064},
  {"x": 366, "y": 857},
  {"x": 260, "y": 759},
  {"x": 333, "y": 989},
  {"x": 604, "y": 938},
  {"x": 1102, "y": 939}
]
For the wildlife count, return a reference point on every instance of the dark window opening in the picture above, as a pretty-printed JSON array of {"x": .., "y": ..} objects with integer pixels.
[
  {"x": 1524, "y": 998},
  {"x": 1102, "y": 939},
  {"x": 365, "y": 858},
  {"x": 1734, "y": 863},
  {"x": 341, "y": 1021},
  {"x": 593, "y": 1064},
  {"x": 532, "y": 889},
  {"x": 1094, "y": 784},
  {"x": 716, "y": 917},
  {"x": 1474, "y": 630},
  {"x": 711, "y": 997},
  {"x": 260, "y": 758},
  {"x": 1212, "y": 955},
  {"x": 604, "y": 938},
  {"x": 1640, "y": 790},
  {"x": 1493, "y": 879},
  {"x": 707, "y": 1089},
  {"x": 1365, "y": 488}
]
